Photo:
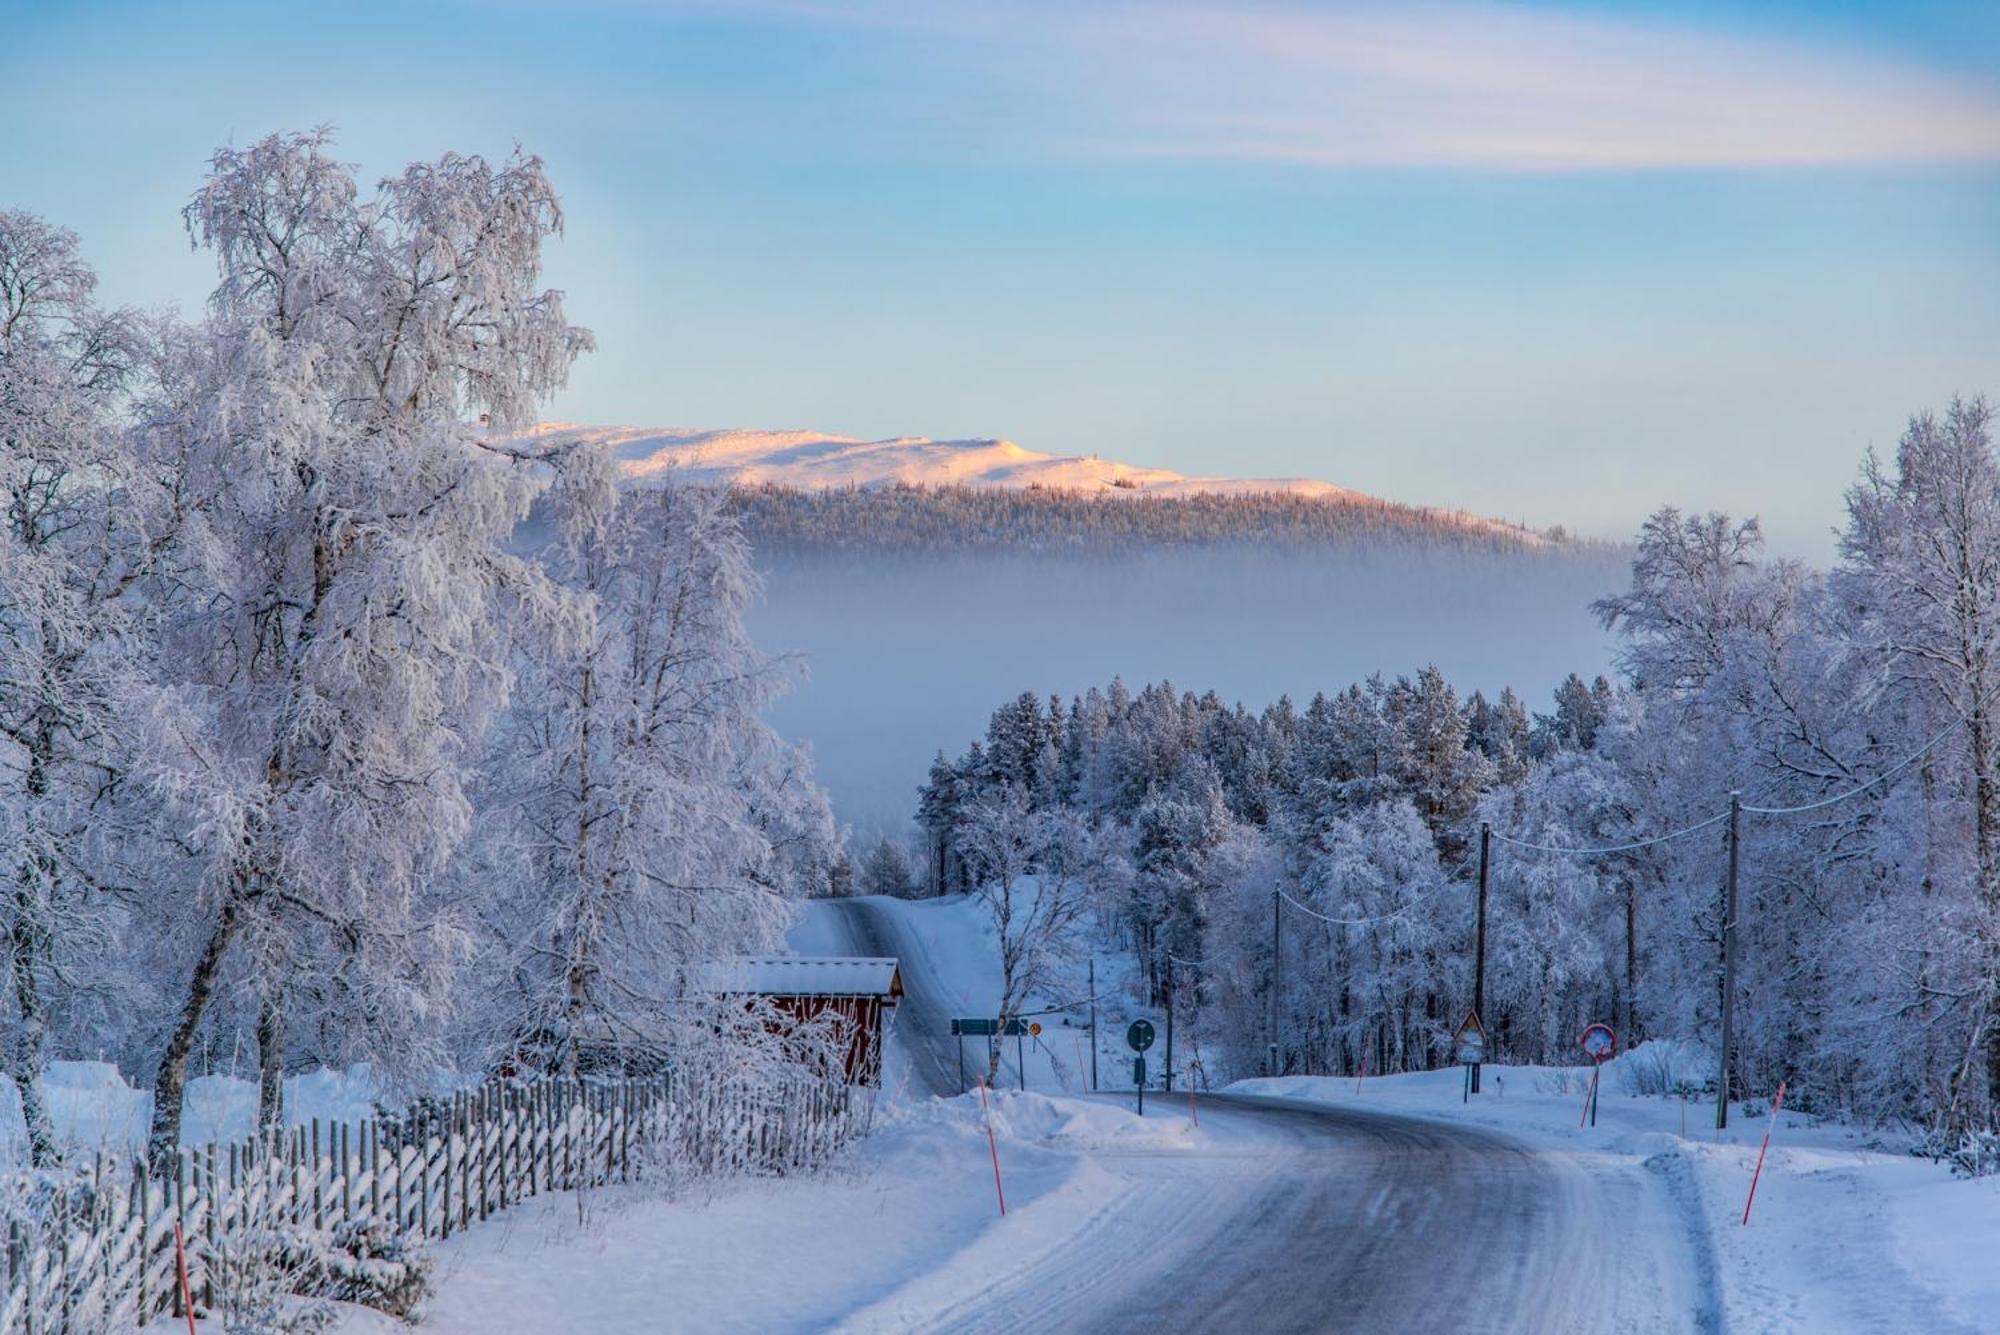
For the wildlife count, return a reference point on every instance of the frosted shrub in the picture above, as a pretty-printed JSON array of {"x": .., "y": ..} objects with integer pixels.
[
  {"x": 1969, "y": 1154},
  {"x": 273, "y": 1275},
  {"x": 755, "y": 1091},
  {"x": 1563, "y": 1080}
]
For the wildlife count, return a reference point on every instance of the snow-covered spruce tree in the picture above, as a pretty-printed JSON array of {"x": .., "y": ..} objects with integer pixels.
[
  {"x": 72, "y": 541},
  {"x": 641, "y": 818},
  {"x": 330, "y": 428}
]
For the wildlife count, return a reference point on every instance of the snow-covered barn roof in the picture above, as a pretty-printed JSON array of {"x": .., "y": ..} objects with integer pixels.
[{"x": 809, "y": 976}]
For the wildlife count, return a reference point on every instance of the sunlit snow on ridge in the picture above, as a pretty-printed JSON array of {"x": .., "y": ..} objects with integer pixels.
[{"x": 815, "y": 459}]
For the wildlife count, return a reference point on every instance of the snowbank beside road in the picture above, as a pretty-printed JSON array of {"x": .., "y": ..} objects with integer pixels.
[
  {"x": 1847, "y": 1235},
  {"x": 916, "y": 1200}
]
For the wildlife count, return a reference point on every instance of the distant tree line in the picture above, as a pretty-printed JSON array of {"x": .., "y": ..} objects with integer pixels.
[
  {"x": 1035, "y": 519},
  {"x": 1869, "y": 931}
]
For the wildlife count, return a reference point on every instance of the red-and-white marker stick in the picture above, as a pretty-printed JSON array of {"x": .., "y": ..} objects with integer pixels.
[
  {"x": 187, "y": 1290},
  {"x": 1193, "y": 1116},
  {"x": 994, "y": 1146},
  {"x": 1776, "y": 1104},
  {"x": 1364, "y": 1065}
]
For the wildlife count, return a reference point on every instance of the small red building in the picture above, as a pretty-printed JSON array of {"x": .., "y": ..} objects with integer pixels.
[{"x": 806, "y": 988}]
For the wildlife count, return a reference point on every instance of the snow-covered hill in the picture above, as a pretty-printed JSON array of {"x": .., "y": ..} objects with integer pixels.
[
  {"x": 815, "y": 459},
  {"x": 812, "y": 459}
]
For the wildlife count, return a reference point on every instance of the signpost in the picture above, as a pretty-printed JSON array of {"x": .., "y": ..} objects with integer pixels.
[
  {"x": 1139, "y": 1037},
  {"x": 980, "y": 1027},
  {"x": 1601, "y": 1044},
  {"x": 1469, "y": 1042}
]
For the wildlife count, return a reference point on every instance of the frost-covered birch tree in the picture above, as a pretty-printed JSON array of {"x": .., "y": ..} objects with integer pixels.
[
  {"x": 71, "y": 543},
  {"x": 330, "y": 427},
  {"x": 1032, "y": 871},
  {"x": 643, "y": 819}
]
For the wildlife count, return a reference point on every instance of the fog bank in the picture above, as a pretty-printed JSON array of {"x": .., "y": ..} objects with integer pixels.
[{"x": 908, "y": 654}]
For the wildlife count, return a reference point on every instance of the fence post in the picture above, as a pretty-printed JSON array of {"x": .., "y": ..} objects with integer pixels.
[
  {"x": 424, "y": 1190},
  {"x": 145, "y": 1215},
  {"x": 402, "y": 1219}
]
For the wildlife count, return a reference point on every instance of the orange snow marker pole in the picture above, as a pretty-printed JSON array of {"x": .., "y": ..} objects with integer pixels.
[
  {"x": 1193, "y": 1116},
  {"x": 994, "y": 1146},
  {"x": 1776, "y": 1104},
  {"x": 187, "y": 1290},
  {"x": 1364, "y": 1067}
]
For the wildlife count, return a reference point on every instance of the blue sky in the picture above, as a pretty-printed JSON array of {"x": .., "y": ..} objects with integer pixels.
[{"x": 1561, "y": 262}]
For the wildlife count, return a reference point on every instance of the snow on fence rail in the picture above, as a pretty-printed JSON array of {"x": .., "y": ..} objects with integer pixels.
[{"x": 93, "y": 1247}]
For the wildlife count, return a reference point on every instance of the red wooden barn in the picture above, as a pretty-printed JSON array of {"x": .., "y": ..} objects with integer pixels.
[{"x": 855, "y": 987}]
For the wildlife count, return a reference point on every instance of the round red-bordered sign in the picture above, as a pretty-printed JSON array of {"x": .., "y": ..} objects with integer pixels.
[{"x": 1599, "y": 1042}]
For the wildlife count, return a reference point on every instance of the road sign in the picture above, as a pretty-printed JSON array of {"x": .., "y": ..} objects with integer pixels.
[
  {"x": 1138, "y": 1070},
  {"x": 1470, "y": 1040},
  {"x": 1140, "y": 1035},
  {"x": 1035, "y": 1029},
  {"x": 1599, "y": 1042},
  {"x": 976, "y": 1028}
]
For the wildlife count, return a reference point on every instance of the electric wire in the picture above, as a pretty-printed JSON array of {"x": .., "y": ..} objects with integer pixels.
[
  {"x": 1848, "y": 795},
  {"x": 1612, "y": 848},
  {"x": 1888, "y": 773}
]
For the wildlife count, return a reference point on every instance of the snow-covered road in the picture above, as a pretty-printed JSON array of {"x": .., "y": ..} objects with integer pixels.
[
  {"x": 1295, "y": 1217},
  {"x": 922, "y": 1062}
]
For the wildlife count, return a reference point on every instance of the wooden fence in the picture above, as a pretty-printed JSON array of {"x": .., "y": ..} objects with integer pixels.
[{"x": 94, "y": 1247}]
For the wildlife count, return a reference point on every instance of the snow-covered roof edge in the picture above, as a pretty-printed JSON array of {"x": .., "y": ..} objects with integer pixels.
[{"x": 808, "y": 976}]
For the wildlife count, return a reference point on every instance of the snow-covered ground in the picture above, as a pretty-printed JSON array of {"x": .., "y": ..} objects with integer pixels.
[
  {"x": 1108, "y": 1212},
  {"x": 1847, "y": 1233},
  {"x": 94, "y": 1107},
  {"x": 909, "y": 1223}
]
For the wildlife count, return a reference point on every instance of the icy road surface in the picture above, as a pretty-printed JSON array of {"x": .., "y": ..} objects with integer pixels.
[
  {"x": 1300, "y": 1218},
  {"x": 1292, "y": 1216}
]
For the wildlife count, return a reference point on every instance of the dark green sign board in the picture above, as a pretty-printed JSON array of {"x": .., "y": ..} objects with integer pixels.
[
  {"x": 975, "y": 1028},
  {"x": 1140, "y": 1035},
  {"x": 1138, "y": 1070}
]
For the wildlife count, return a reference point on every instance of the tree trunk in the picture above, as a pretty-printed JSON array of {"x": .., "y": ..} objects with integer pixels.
[
  {"x": 271, "y": 1065},
  {"x": 1986, "y": 843},
  {"x": 27, "y": 1055},
  {"x": 1629, "y": 1021},
  {"x": 163, "y": 1143}
]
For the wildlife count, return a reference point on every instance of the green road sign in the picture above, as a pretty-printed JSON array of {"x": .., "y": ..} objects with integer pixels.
[
  {"x": 1140, "y": 1035},
  {"x": 977, "y": 1028},
  {"x": 1138, "y": 1070}
]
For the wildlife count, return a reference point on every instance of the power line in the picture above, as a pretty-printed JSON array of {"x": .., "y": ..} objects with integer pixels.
[
  {"x": 1337, "y": 922},
  {"x": 1613, "y": 848},
  {"x": 1886, "y": 774},
  {"x": 1857, "y": 790}
]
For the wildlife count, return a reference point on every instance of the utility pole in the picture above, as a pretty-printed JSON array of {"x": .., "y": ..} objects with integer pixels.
[
  {"x": 1277, "y": 967},
  {"x": 1093, "y": 1024},
  {"x": 1479, "y": 939},
  {"x": 1167, "y": 1074},
  {"x": 1729, "y": 961}
]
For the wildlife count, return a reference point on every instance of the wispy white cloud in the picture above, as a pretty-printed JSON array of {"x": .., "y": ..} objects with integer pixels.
[{"x": 1479, "y": 85}]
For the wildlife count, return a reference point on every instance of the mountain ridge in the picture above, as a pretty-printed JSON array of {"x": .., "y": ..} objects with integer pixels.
[{"x": 820, "y": 461}]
